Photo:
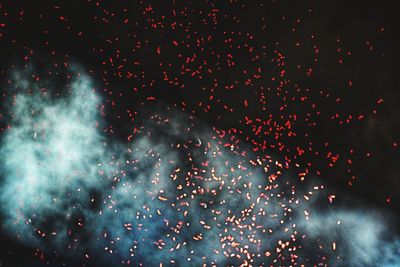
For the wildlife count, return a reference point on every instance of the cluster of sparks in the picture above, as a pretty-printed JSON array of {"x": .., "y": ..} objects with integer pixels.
[{"x": 175, "y": 189}]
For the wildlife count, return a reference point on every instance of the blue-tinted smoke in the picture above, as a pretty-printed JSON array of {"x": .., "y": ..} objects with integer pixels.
[{"x": 175, "y": 194}]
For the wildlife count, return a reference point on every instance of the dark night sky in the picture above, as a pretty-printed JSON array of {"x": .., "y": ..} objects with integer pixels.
[{"x": 324, "y": 61}]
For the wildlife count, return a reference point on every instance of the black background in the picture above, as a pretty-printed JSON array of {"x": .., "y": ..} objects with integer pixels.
[{"x": 41, "y": 35}]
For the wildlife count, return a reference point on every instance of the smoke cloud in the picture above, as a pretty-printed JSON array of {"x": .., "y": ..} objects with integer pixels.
[{"x": 181, "y": 192}]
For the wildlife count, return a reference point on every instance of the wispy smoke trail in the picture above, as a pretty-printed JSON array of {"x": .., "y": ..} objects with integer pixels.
[{"x": 180, "y": 193}]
